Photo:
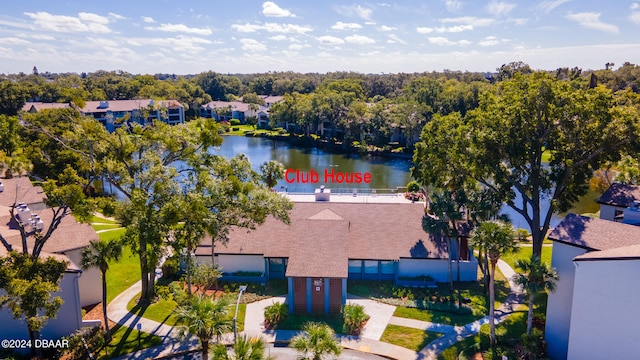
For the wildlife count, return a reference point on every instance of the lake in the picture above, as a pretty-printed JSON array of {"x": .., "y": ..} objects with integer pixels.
[{"x": 386, "y": 173}]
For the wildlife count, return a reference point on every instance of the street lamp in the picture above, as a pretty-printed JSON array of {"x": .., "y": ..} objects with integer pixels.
[{"x": 235, "y": 316}]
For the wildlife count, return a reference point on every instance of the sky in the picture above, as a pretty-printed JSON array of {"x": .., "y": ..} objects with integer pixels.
[{"x": 245, "y": 36}]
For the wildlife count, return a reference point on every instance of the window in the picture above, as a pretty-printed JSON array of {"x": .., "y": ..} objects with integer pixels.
[
  {"x": 276, "y": 265},
  {"x": 371, "y": 266},
  {"x": 387, "y": 267},
  {"x": 355, "y": 266}
]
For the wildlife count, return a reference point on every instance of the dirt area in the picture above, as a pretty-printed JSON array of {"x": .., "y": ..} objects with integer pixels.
[{"x": 94, "y": 312}]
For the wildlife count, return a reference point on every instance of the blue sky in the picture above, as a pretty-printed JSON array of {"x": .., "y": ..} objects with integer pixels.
[{"x": 244, "y": 36}]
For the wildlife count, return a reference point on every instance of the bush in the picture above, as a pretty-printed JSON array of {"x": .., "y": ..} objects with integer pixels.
[
  {"x": 171, "y": 267},
  {"x": 275, "y": 314},
  {"x": 234, "y": 129},
  {"x": 234, "y": 122},
  {"x": 94, "y": 338},
  {"x": 413, "y": 186},
  {"x": 354, "y": 319}
]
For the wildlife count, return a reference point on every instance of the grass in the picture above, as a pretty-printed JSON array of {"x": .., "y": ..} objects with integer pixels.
[
  {"x": 124, "y": 273},
  {"x": 441, "y": 317},
  {"x": 162, "y": 311},
  {"x": 414, "y": 339},
  {"x": 101, "y": 220},
  {"x": 126, "y": 340},
  {"x": 99, "y": 227},
  {"x": 524, "y": 253}
]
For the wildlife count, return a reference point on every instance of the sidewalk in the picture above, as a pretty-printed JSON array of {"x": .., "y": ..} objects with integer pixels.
[{"x": 381, "y": 315}]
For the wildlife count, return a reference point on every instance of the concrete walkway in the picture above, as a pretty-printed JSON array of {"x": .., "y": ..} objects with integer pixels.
[{"x": 381, "y": 315}]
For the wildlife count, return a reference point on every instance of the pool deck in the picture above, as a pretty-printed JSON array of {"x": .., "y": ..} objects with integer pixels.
[{"x": 354, "y": 198}]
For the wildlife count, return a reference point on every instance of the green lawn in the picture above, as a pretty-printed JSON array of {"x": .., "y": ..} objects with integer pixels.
[
  {"x": 162, "y": 311},
  {"x": 126, "y": 340},
  {"x": 414, "y": 339},
  {"x": 524, "y": 253},
  {"x": 99, "y": 227},
  {"x": 101, "y": 220},
  {"x": 124, "y": 273}
]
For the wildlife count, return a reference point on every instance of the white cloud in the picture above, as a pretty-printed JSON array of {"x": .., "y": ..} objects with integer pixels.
[
  {"x": 359, "y": 39},
  {"x": 116, "y": 16},
  {"x": 355, "y": 10},
  {"x": 85, "y": 22},
  {"x": 345, "y": 26},
  {"x": 331, "y": 40},
  {"x": 148, "y": 19},
  {"x": 439, "y": 40},
  {"x": 634, "y": 6},
  {"x": 453, "y": 5},
  {"x": 252, "y": 45},
  {"x": 36, "y": 36},
  {"x": 499, "y": 8},
  {"x": 272, "y": 28},
  {"x": 13, "y": 41},
  {"x": 491, "y": 41},
  {"x": 180, "y": 28},
  {"x": 591, "y": 20},
  {"x": 180, "y": 43},
  {"x": 635, "y": 17},
  {"x": 271, "y": 9},
  {"x": 395, "y": 39},
  {"x": 279, "y": 38},
  {"x": 387, "y": 28},
  {"x": 444, "y": 29},
  {"x": 549, "y": 5},
  {"x": 469, "y": 20},
  {"x": 518, "y": 21}
]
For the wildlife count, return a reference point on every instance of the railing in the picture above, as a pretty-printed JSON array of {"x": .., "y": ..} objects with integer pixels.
[{"x": 354, "y": 191}]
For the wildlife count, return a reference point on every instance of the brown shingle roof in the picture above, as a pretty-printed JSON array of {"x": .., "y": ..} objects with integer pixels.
[
  {"x": 37, "y": 106},
  {"x": 20, "y": 189},
  {"x": 620, "y": 195},
  {"x": 622, "y": 253},
  {"x": 595, "y": 234},
  {"x": 329, "y": 231},
  {"x": 71, "y": 267},
  {"x": 320, "y": 251},
  {"x": 126, "y": 105},
  {"x": 69, "y": 235}
]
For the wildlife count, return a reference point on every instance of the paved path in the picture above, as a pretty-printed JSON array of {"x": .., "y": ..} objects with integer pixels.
[{"x": 381, "y": 316}]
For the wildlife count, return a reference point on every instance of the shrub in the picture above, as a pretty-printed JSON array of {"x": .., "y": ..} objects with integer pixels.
[
  {"x": 354, "y": 318},
  {"x": 94, "y": 338},
  {"x": 275, "y": 314},
  {"x": 171, "y": 267},
  {"x": 234, "y": 129},
  {"x": 413, "y": 186},
  {"x": 533, "y": 346},
  {"x": 234, "y": 122}
]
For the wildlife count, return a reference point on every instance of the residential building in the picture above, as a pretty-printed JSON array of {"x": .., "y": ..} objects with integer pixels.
[
  {"x": 228, "y": 110},
  {"x": 616, "y": 200},
  {"x": 592, "y": 314},
  {"x": 115, "y": 113},
  {"x": 79, "y": 288},
  {"x": 329, "y": 242}
]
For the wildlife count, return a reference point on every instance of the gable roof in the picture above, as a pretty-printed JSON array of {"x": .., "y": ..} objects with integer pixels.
[
  {"x": 595, "y": 234},
  {"x": 20, "y": 189},
  {"x": 34, "y": 107},
  {"x": 631, "y": 252},
  {"x": 620, "y": 195},
  {"x": 324, "y": 235}
]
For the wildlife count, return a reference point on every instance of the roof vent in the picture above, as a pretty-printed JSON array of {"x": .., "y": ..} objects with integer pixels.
[
  {"x": 1, "y": 187},
  {"x": 103, "y": 105}
]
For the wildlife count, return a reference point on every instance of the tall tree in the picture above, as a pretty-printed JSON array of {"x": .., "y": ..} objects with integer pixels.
[
  {"x": 496, "y": 238},
  {"x": 99, "y": 254},
  {"x": 502, "y": 144},
  {"x": 536, "y": 277},
  {"x": 206, "y": 318}
]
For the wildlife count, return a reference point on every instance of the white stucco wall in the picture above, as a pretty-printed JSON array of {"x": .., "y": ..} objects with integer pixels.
[
  {"x": 607, "y": 212},
  {"x": 90, "y": 282},
  {"x": 438, "y": 269},
  {"x": 559, "y": 302},
  {"x": 67, "y": 321},
  {"x": 605, "y": 314},
  {"x": 233, "y": 263}
]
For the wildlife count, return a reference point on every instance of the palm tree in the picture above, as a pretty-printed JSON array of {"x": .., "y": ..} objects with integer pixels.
[
  {"x": 536, "y": 277},
  {"x": 99, "y": 254},
  {"x": 318, "y": 339},
  {"x": 243, "y": 349},
  {"x": 496, "y": 238},
  {"x": 204, "y": 317}
]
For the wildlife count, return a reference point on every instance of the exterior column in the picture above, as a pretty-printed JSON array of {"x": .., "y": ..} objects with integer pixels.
[
  {"x": 344, "y": 292},
  {"x": 327, "y": 295},
  {"x": 290, "y": 298},
  {"x": 309, "y": 295}
]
